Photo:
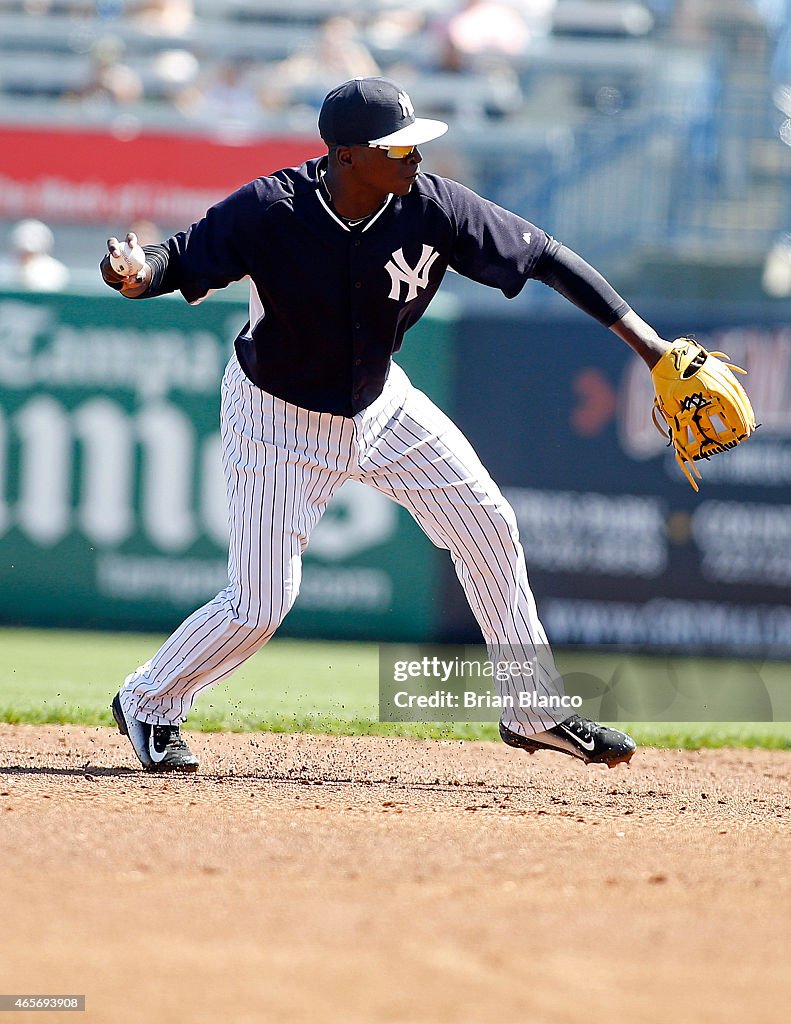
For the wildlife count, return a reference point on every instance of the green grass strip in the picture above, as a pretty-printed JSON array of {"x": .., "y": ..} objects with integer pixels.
[{"x": 54, "y": 676}]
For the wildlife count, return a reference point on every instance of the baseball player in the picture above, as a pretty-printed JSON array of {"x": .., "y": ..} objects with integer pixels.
[{"x": 343, "y": 255}]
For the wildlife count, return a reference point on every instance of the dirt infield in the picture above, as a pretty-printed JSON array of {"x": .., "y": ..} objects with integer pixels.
[{"x": 322, "y": 879}]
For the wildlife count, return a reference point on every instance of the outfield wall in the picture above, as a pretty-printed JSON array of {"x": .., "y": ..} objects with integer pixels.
[
  {"x": 112, "y": 507},
  {"x": 620, "y": 549}
]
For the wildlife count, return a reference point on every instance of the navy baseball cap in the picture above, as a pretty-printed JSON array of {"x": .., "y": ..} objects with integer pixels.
[{"x": 374, "y": 111}]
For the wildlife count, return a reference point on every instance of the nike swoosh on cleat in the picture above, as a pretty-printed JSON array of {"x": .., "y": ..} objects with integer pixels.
[
  {"x": 157, "y": 756},
  {"x": 589, "y": 746}
]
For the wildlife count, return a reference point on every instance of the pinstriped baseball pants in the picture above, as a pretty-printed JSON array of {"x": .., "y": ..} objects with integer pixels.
[{"x": 282, "y": 464}]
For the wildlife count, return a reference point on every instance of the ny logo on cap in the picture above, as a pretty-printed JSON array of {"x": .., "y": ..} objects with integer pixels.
[
  {"x": 406, "y": 104},
  {"x": 401, "y": 273}
]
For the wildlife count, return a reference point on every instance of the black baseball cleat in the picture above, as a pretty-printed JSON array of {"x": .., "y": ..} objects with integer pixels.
[
  {"x": 159, "y": 748},
  {"x": 578, "y": 737}
]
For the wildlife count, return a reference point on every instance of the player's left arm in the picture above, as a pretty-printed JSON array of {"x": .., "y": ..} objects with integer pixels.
[
  {"x": 641, "y": 338},
  {"x": 704, "y": 408},
  {"x": 570, "y": 275}
]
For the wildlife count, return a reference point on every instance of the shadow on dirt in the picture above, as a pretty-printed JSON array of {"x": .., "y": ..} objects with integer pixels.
[{"x": 87, "y": 770}]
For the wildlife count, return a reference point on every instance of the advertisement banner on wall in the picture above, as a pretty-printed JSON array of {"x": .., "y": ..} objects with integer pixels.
[
  {"x": 72, "y": 175},
  {"x": 620, "y": 550},
  {"x": 112, "y": 507}
]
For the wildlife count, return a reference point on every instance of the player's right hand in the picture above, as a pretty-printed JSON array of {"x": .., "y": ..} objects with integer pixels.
[{"x": 124, "y": 268}]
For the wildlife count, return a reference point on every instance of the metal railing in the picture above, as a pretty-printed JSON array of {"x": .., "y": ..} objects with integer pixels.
[{"x": 717, "y": 180}]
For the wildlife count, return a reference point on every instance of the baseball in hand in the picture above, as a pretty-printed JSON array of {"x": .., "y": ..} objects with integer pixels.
[{"x": 126, "y": 258}]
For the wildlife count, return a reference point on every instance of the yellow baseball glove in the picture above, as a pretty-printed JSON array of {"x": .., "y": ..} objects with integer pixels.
[{"x": 705, "y": 408}]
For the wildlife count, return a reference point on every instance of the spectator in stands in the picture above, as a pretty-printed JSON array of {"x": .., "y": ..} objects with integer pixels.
[
  {"x": 111, "y": 82},
  {"x": 337, "y": 53},
  {"x": 35, "y": 268},
  {"x": 163, "y": 17},
  {"x": 477, "y": 56},
  {"x": 481, "y": 27},
  {"x": 37, "y": 7},
  {"x": 398, "y": 28},
  {"x": 174, "y": 74},
  {"x": 229, "y": 97}
]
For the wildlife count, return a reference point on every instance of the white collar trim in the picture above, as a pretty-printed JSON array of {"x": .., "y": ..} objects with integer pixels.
[{"x": 375, "y": 217}]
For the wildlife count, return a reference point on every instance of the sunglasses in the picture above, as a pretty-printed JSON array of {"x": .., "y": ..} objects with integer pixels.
[{"x": 394, "y": 152}]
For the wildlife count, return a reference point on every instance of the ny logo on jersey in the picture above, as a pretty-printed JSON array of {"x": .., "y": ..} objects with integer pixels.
[
  {"x": 401, "y": 273},
  {"x": 406, "y": 104}
]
